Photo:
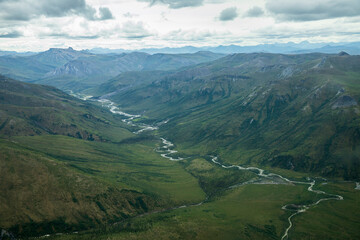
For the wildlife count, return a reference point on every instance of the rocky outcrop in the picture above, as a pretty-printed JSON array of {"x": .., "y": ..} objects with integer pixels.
[{"x": 344, "y": 101}]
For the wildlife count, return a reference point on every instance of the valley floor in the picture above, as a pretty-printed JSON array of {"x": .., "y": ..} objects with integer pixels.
[{"x": 244, "y": 203}]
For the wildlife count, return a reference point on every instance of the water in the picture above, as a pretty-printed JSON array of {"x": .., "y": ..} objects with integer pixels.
[{"x": 167, "y": 150}]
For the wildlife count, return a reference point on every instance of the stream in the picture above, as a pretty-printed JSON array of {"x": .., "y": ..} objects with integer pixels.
[
  {"x": 289, "y": 207},
  {"x": 271, "y": 178}
]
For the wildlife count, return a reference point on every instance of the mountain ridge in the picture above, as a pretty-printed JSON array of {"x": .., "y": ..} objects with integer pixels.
[
  {"x": 270, "y": 107},
  {"x": 69, "y": 69}
]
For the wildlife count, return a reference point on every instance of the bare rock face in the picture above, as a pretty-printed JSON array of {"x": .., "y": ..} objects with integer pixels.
[{"x": 344, "y": 101}]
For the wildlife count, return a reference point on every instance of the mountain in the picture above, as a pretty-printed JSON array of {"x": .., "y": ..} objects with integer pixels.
[
  {"x": 23, "y": 68},
  {"x": 353, "y": 49},
  {"x": 69, "y": 69},
  {"x": 58, "y": 56},
  {"x": 290, "y": 47},
  {"x": 86, "y": 72},
  {"x": 14, "y": 53},
  {"x": 296, "y": 112},
  {"x": 68, "y": 165},
  {"x": 114, "y": 64},
  {"x": 36, "y": 66}
]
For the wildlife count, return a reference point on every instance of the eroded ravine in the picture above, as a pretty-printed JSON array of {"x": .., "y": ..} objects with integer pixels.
[{"x": 167, "y": 150}]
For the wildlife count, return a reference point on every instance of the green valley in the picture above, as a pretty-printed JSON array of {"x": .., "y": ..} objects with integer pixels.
[
  {"x": 179, "y": 120},
  {"x": 247, "y": 146},
  {"x": 296, "y": 112}
]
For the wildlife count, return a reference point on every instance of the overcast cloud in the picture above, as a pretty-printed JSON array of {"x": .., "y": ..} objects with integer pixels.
[
  {"x": 175, "y": 3},
  {"x": 308, "y": 10},
  {"x": 13, "y": 34},
  {"x": 35, "y": 25},
  {"x": 23, "y": 10}
]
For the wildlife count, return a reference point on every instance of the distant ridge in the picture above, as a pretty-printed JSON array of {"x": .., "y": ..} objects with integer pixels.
[{"x": 290, "y": 47}]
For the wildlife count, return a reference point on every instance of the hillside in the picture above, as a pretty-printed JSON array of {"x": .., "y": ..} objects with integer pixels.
[
  {"x": 68, "y": 165},
  {"x": 29, "y": 110},
  {"x": 69, "y": 69},
  {"x": 297, "y": 112}
]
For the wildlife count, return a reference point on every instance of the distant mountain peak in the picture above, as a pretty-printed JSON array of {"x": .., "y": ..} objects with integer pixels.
[
  {"x": 343, "y": 53},
  {"x": 61, "y": 49}
]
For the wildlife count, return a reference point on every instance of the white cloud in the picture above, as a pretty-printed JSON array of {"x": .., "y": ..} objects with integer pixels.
[
  {"x": 135, "y": 30},
  {"x": 133, "y": 24}
]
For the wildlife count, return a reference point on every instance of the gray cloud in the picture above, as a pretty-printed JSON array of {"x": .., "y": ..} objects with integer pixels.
[
  {"x": 176, "y": 3},
  {"x": 133, "y": 30},
  {"x": 228, "y": 14},
  {"x": 254, "y": 12},
  {"x": 13, "y": 34},
  {"x": 67, "y": 36},
  {"x": 309, "y": 10},
  {"x": 23, "y": 10},
  {"x": 105, "y": 13}
]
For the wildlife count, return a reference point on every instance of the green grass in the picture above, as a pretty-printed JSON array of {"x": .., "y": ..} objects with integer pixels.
[
  {"x": 247, "y": 212},
  {"x": 135, "y": 166},
  {"x": 331, "y": 219}
]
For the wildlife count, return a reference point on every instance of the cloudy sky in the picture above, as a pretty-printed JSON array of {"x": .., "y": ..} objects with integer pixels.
[{"x": 35, "y": 25}]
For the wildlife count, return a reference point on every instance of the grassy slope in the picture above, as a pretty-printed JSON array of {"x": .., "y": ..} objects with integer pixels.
[
  {"x": 69, "y": 165},
  {"x": 40, "y": 194},
  {"x": 136, "y": 166},
  {"x": 28, "y": 109},
  {"x": 269, "y": 109},
  {"x": 247, "y": 212}
]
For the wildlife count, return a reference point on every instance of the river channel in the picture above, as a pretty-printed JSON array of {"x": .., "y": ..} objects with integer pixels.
[{"x": 166, "y": 150}]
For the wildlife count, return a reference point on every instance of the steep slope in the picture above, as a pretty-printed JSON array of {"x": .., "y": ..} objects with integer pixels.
[
  {"x": 41, "y": 195},
  {"x": 68, "y": 165},
  {"x": 298, "y": 112},
  {"x": 28, "y": 110}
]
